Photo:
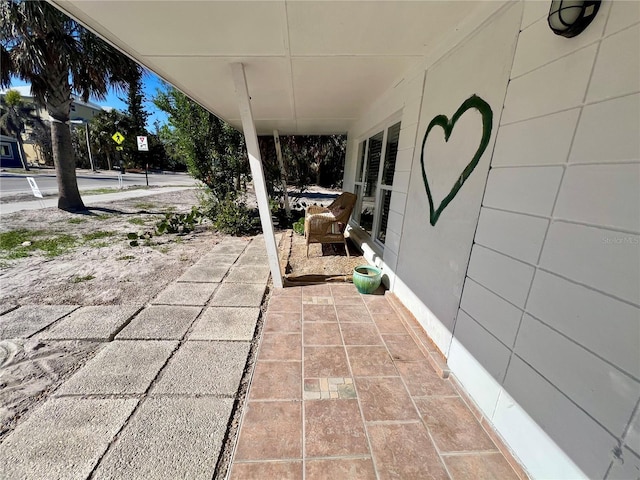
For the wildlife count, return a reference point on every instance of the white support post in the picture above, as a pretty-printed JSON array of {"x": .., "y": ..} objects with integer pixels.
[
  {"x": 283, "y": 173},
  {"x": 255, "y": 162}
]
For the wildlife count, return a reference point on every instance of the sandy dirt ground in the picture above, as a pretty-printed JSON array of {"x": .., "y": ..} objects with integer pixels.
[{"x": 101, "y": 268}]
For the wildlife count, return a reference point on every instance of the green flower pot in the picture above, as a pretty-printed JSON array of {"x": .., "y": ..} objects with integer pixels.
[{"x": 367, "y": 278}]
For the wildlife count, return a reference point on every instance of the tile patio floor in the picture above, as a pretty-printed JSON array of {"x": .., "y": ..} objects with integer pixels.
[{"x": 342, "y": 390}]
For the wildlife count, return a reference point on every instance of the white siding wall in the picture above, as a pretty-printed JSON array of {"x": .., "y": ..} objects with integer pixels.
[
  {"x": 547, "y": 336},
  {"x": 550, "y": 304}
]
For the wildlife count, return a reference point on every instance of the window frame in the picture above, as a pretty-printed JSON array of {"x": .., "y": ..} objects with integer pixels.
[{"x": 361, "y": 175}]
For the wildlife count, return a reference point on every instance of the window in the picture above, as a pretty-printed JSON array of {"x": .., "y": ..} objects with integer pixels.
[
  {"x": 5, "y": 150},
  {"x": 376, "y": 166}
]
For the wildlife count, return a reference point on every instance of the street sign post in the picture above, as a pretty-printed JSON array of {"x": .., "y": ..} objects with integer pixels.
[
  {"x": 143, "y": 146},
  {"x": 119, "y": 138}
]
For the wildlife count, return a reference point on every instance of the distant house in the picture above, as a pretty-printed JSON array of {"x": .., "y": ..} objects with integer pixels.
[
  {"x": 9, "y": 154},
  {"x": 80, "y": 111}
]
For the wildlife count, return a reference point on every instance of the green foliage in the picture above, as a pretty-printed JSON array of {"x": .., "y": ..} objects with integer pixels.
[
  {"x": 136, "y": 221},
  {"x": 230, "y": 216},
  {"x": 20, "y": 243},
  {"x": 180, "y": 223},
  {"x": 213, "y": 150},
  {"x": 14, "y": 238},
  {"x": 308, "y": 159},
  {"x": 85, "y": 278},
  {"x": 298, "y": 226},
  {"x": 97, "y": 234}
]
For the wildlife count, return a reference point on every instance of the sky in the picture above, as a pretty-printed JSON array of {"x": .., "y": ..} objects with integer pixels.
[{"x": 150, "y": 83}]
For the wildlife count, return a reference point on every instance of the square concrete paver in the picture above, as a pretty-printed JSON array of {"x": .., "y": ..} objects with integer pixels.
[
  {"x": 206, "y": 368},
  {"x": 27, "y": 320},
  {"x": 169, "y": 438},
  {"x": 160, "y": 322},
  {"x": 186, "y": 294},
  {"x": 239, "y": 295},
  {"x": 228, "y": 248},
  {"x": 249, "y": 274},
  {"x": 253, "y": 260},
  {"x": 63, "y": 439},
  {"x": 226, "y": 323},
  {"x": 204, "y": 273},
  {"x": 122, "y": 367},
  {"x": 218, "y": 260},
  {"x": 92, "y": 323},
  {"x": 7, "y": 307}
]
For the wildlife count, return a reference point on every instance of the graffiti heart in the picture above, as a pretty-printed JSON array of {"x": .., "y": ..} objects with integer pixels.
[{"x": 473, "y": 102}]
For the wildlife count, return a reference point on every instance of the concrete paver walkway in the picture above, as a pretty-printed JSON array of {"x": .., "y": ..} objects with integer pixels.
[
  {"x": 155, "y": 402},
  {"x": 343, "y": 389}
]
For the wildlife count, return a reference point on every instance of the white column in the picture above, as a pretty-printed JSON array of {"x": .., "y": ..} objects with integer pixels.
[
  {"x": 283, "y": 173},
  {"x": 255, "y": 162}
]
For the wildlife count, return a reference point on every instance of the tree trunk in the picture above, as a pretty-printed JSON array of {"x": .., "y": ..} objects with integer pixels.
[
  {"x": 109, "y": 161},
  {"x": 68, "y": 194}
]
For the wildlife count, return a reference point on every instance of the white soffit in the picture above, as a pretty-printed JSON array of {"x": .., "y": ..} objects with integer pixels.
[{"x": 312, "y": 66}]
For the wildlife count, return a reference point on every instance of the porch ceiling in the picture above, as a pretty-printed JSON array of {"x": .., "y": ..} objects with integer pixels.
[{"x": 312, "y": 66}]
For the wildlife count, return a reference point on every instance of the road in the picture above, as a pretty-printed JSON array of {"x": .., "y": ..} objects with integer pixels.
[{"x": 15, "y": 183}]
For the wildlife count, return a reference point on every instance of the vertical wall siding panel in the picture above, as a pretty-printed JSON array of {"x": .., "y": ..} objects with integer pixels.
[{"x": 575, "y": 369}]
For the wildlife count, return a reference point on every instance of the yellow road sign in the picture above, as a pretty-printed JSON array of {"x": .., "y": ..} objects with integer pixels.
[
  {"x": 119, "y": 147},
  {"x": 118, "y": 138}
]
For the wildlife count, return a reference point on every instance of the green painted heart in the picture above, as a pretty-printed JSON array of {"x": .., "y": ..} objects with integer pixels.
[{"x": 447, "y": 125}]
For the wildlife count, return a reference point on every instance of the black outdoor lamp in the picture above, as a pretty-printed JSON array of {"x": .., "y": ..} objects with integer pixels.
[{"x": 570, "y": 17}]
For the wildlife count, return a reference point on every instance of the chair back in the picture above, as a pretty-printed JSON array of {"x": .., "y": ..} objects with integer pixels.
[{"x": 342, "y": 206}]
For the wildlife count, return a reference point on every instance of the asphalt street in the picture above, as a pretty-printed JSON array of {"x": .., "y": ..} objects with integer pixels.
[{"x": 16, "y": 183}]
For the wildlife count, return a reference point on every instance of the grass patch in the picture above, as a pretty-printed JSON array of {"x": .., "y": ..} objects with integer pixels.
[
  {"x": 126, "y": 257},
  {"x": 97, "y": 235},
  {"x": 55, "y": 246},
  {"x": 77, "y": 220},
  {"x": 11, "y": 243},
  {"x": 136, "y": 221},
  {"x": 86, "y": 278},
  {"x": 144, "y": 206},
  {"x": 15, "y": 238},
  {"x": 102, "y": 216}
]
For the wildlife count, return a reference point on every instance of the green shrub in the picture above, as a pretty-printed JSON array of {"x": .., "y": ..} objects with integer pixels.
[
  {"x": 233, "y": 217},
  {"x": 298, "y": 226}
]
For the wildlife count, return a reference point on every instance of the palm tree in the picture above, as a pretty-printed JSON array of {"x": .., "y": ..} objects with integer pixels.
[{"x": 41, "y": 45}]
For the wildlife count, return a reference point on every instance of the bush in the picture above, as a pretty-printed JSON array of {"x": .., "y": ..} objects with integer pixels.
[
  {"x": 232, "y": 217},
  {"x": 298, "y": 226}
]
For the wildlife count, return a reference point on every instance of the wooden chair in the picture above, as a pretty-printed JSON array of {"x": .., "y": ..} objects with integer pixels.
[{"x": 327, "y": 224}]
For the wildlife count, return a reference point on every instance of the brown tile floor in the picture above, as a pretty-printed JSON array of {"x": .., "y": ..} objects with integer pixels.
[{"x": 342, "y": 391}]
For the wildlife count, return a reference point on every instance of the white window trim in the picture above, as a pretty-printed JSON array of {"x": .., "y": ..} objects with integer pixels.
[{"x": 376, "y": 244}]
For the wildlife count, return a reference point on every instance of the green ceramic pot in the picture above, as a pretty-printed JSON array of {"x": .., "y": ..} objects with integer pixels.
[{"x": 367, "y": 278}]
